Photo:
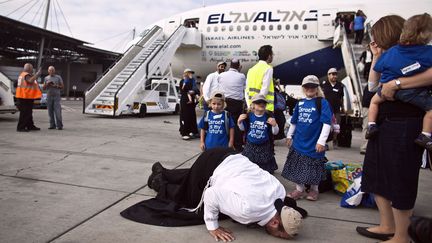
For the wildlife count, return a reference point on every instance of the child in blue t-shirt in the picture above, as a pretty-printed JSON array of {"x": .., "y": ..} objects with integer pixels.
[
  {"x": 259, "y": 127},
  {"x": 217, "y": 126},
  {"x": 413, "y": 55},
  {"x": 307, "y": 136}
]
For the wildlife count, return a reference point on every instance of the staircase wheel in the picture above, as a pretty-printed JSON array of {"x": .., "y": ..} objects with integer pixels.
[{"x": 143, "y": 111}]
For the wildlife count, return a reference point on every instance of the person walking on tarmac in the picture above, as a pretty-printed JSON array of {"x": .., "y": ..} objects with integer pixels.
[
  {"x": 26, "y": 92},
  {"x": 211, "y": 84},
  {"x": 232, "y": 83},
  {"x": 53, "y": 83},
  {"x": 260, "y": 78},
  {"x": 334, "y": 92}
]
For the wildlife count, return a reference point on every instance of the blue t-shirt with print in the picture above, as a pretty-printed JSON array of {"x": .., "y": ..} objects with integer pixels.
[
  {"x": 257, "y": 129},
  {"x": 308, "y": 126},
  {"x": 403, "y": 61},
  {"x": 216, "y": 134}
]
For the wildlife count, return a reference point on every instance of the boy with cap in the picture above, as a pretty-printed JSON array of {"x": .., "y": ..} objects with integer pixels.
[{"x": 217, "y": 126}]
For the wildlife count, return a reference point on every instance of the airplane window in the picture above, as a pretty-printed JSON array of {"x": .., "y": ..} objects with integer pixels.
[
  {"x": 223, "y": 28},
  {"x": 271, "y": 27},
  {"x": 279, "y": 27},
  {"x": 238, "y": 27},
  {"x": 254, "y": 27},
  {"x": 263, "y": 27},
  {"x": 208, "y": 29},
  {"x": 247, "y": 27},
  {"x": 231, "y": 28},
  {"x": 305, "y": 26},
  {"x": 296, "y": 26},
  {"x": 287, "y": 27},
  {"x": 215, "y": 29}
]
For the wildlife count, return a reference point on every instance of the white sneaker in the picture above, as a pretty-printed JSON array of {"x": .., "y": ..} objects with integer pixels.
[{"x": 185, "y": 137}]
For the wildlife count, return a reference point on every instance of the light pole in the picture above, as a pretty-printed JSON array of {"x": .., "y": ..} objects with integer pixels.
[{"x": 39, "y": 63}]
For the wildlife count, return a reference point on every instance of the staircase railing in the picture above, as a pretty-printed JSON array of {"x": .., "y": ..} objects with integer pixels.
[
  {"x": 148, "y": 69},
  {"x": 99, "y": 85}
]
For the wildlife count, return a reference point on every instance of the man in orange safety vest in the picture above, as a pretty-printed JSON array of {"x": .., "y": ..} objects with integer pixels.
[{"x": 26, "y": 92}]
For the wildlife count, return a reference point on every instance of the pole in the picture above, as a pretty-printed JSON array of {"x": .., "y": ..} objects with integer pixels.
[
  {"x": 39, "y": 63},
  {"x": 133, "y": 33}
]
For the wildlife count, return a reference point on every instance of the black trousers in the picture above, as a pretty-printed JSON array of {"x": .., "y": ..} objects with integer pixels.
[
  {"x": 185, "y": 186},
  {"x": 235, "y": 107},
  {"x": 359, "y": 36},
  {"x": 25, "y": 107}
]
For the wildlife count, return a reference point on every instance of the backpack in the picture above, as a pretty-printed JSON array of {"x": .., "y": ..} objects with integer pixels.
[{"x": 227, "y": 117}]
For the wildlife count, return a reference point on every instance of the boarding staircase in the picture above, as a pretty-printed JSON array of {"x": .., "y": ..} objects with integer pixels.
[
  {"x": 116, "y": 92},
  {"x": 354, "y": 82}
]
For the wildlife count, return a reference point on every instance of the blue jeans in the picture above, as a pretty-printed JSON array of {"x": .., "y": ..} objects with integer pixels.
[{"x": 54, "y": 111}]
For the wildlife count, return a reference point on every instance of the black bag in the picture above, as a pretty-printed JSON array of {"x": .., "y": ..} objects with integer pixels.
[{"x": 345, "y": 136}]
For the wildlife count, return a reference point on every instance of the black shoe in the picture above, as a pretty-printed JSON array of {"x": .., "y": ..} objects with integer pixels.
[
  {"x": 365, "y": 232},
  {"x": 157, "y": 168},
  {"x": 60, "y": 128},
  {"x": 424, "y": 141},
  {"x": 51, "y": 128},
  {"x": 23, "y": 130},
  {"x": 372, "y": 131},
  {"x": 34, "y": 128}
]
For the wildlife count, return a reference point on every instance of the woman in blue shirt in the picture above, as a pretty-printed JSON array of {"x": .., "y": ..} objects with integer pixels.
[
  {"x": 359, "y": 21},
  {"x": 307, "y": 136}
]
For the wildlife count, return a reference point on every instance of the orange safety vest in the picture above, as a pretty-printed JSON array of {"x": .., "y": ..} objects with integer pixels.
[{"x": 27, "y": 90}]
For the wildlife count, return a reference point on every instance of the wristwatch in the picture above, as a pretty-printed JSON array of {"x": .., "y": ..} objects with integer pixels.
[{"x": 398, "y": 83}]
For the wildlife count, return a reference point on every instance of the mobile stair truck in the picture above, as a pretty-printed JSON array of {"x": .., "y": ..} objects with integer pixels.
[
  {"x": 141, "y": 81},
  {"x": 7, "y": 103}
]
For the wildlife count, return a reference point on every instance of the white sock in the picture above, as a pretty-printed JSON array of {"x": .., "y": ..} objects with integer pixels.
[
  {"x": 371, "y": 123},
  {"x": 314, "y": 187},
  {"x": 300, "y": 187},
  {"x": 428, "y": 134}
]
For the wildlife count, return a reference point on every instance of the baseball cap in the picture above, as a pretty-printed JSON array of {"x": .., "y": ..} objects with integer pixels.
[
  {"x": 332, "y": 70},
  {"x": 218, "y": 94},
  {"x": 310, "y": 80},
  {"x": 258, "y": 98},
  {"x": 188, "y": 70},
  {"x": 291, "y": 220}
]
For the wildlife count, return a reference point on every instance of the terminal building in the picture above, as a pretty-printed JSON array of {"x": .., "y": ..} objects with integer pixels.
[{"x": 78, "y": 63}]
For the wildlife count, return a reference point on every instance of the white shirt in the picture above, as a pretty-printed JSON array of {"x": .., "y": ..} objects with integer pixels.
[
  {"x": 233, "y": 83},
  {"x": 211, "y": 84},
  {"x": 243, "y": 191},
  {"x": 368, "y": 58}
]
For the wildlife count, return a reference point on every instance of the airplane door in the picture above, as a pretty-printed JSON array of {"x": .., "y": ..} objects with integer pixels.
[{"x": 326, "y": 23}]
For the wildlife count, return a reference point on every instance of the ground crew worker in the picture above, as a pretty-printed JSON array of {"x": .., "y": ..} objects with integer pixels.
[
  {"x": 26, "y": 92},
  {"x": 260, "y": 78}
]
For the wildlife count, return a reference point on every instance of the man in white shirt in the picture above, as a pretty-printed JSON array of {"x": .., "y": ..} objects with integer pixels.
[
  {"x": 232, "y": 83},
  {"x": 231, "y": 184},
  {"x": 211, "y": 83}
]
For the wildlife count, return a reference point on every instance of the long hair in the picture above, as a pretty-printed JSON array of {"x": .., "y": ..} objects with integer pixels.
[
  {"x": 320, "y": 93},
  {"x": 387, "y": 30}
]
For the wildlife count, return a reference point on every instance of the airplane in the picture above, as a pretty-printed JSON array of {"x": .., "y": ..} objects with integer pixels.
[
  {"x": 300, "y": 32},
  {"x": 304, "y": 36}
]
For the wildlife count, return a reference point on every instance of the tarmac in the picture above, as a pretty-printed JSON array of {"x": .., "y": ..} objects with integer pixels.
[{"x": 70, "y": 185}]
